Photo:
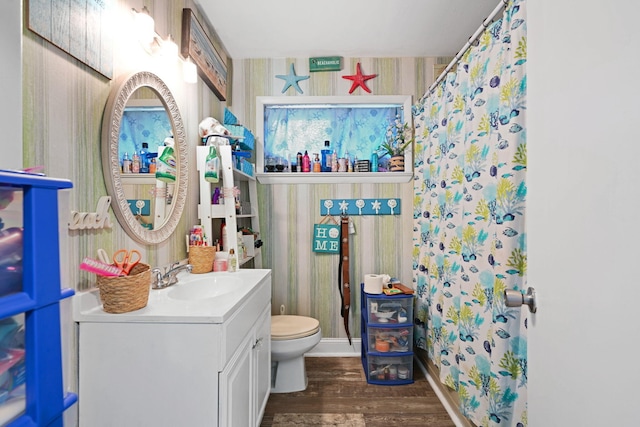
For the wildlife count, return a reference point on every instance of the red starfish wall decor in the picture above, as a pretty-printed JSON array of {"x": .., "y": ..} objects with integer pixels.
[{"x": 359, "y": 79}]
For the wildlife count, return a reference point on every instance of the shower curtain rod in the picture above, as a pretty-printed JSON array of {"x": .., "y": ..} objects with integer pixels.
[{"x": 471, "y": 40}]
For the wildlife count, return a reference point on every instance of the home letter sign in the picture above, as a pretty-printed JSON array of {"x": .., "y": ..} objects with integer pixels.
[{"x": 326, "y": 238}]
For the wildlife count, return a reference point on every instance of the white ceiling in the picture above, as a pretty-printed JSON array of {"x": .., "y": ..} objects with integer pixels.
[{"x": 349, "y": 28}]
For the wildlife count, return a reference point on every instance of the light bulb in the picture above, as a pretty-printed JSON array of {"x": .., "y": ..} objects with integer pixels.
[
  {"x": 189, "y": 71},
  {"x": 169, "y": 47},
  {"x": 145, "y": 27}
]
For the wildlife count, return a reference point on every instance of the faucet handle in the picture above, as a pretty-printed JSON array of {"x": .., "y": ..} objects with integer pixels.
[{"x": 156, "y": 277}]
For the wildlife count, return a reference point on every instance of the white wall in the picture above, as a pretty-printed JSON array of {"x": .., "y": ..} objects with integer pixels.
[{"x": 11, "y": 84}]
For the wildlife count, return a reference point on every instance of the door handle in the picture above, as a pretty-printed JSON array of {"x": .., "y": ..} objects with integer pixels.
[{"x": 513, "y": 298}]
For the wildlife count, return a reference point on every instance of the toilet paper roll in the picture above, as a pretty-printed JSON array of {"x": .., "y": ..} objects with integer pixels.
[{"x": 373, "y": 283}]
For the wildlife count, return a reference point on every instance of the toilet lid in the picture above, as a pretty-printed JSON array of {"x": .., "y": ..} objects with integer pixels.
[{"x": 288, "y": 327}]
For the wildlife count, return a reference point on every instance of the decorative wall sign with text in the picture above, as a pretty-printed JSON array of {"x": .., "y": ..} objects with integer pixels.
[
  {"x": 326, "y": 238},
  {"x": 325, "y": 63},
  {"x": 360, "y": 207},
  {"x": 92, "y": 220}
]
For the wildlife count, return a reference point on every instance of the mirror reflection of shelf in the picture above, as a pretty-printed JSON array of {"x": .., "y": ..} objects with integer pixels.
[{"x": 138, "y": 178}]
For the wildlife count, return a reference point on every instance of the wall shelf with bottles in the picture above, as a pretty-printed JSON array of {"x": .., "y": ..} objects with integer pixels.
[
  {"x": 334, "y": 177},
  {"x": 357, "y": 127}
]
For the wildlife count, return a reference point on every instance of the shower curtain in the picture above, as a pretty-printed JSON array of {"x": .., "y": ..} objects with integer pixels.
[{"x": 469, "y": 227}]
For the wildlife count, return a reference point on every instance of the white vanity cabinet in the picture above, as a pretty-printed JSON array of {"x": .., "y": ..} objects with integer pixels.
[
  {"x": 177, "y": 363},
  {"x": 246, "y": 379}
]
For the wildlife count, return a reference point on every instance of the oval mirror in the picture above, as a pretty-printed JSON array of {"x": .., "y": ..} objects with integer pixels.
[{"x": 141, "y": 113}]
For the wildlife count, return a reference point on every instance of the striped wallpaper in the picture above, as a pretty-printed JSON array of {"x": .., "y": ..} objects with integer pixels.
[{"x": 63, "y": 102}]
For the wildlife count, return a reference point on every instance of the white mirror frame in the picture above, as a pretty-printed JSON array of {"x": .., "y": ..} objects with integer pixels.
[{"x": 111, "y": 168}]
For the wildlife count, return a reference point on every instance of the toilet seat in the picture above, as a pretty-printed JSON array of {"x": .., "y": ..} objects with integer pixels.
[{"x": 289, "y": 327}]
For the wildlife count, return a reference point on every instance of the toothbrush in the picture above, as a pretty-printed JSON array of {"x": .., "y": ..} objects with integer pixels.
[{"x": 100, "y": 268}]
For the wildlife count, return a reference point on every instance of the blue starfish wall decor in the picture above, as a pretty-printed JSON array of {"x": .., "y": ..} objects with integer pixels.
[
  {"x": 359, "y": 79},
  {"x": 291, "y": 80}
]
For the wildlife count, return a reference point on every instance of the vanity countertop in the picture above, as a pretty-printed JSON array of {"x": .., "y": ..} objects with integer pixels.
[{"x": 196, "y": 298}]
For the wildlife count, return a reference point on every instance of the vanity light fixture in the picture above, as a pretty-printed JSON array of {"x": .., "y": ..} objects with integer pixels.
[
  {"x": 153, "y": 44},
  {"x": 145, "y": 27},
  {"x": 189, "y": 71}
]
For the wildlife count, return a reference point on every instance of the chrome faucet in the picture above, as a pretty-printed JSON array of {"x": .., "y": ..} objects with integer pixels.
[{"x": 160, "y": 280}]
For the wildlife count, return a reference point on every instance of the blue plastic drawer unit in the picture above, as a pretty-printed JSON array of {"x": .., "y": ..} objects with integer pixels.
[
  {"x": 31, "y": 386},
  {"x": 387, "y": 338}
]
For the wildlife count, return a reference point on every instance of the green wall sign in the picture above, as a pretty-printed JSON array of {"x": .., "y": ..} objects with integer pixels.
[
  {"x": 325, "y": 63},
  {"x": 326, "y": 238}
]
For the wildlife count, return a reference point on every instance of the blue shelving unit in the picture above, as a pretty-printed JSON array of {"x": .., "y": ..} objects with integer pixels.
[
  {"x": 393, "y": 363},
  {"x": 38, "y": 297}
]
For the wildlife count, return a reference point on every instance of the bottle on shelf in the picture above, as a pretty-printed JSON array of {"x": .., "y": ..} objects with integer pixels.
[
  {"x": 299, "y": 161},
  {"x": 212, "y": 165},
  {"x": 166, "y": 166},
  {"x": 326, "y": 158},
  {"x": 334, "y": 162},
  {"x": 152, "y": 166},
  {"x": 374, "y": 162},
  {"x": 135, "y": 163},
  {"x": 126, "y": 163},
  {"x": 306, "y": 162},
  {"x": 144, "y": 158},
  {"x": 316, "y": 163},
  {"x": 349, "y": 164}
]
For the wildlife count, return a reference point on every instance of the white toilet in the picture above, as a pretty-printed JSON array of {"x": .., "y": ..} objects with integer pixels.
[{"x": 291, "y": 338}]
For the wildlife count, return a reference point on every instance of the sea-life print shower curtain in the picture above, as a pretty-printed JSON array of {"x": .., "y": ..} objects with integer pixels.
[{"x": 469, "y": 227}]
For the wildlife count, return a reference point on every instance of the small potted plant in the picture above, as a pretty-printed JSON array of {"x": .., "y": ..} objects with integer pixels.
[{"x": 398, "y": 137}]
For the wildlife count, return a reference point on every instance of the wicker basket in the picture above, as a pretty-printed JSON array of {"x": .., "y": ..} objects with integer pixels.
[
  {"x": 126, "y": 293},
  {"x": 201, "y": 258}
]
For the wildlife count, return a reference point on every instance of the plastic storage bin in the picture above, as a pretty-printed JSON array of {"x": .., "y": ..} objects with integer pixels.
[
  {"x": 387, "y": 370},
  {"x": 389, "y": 309},
  {"x": 394, "y": 339}
]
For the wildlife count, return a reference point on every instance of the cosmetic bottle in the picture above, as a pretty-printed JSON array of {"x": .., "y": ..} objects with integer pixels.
[
  {"x": 299, "y": 161},
  {"x": 334, "y": 162},
  {"x": 126, "y": 163},
  {"x": 233, "y": 261},
  {"x": 316, "y": 163},
  {"x": 306, "y": 162},
  {"x": 135, "y": 163}
]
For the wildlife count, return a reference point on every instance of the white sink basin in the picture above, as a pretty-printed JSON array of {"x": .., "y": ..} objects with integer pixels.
[{"x": 203, "y": 288}]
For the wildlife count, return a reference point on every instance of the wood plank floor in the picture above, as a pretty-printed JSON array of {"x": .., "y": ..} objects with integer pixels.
[{"x": 339, "y": 395}]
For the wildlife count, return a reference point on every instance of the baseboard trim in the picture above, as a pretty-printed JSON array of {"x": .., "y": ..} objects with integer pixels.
[
  {"x": 336, "y": 347},
  {"x": 447, "y": 396}
]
